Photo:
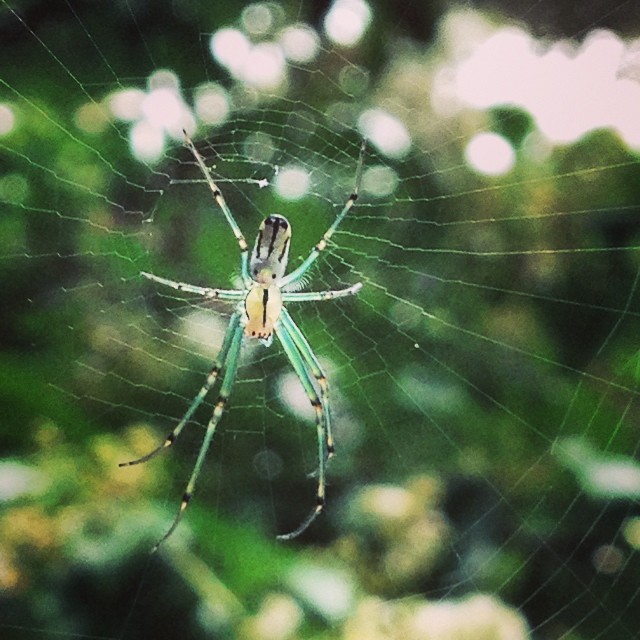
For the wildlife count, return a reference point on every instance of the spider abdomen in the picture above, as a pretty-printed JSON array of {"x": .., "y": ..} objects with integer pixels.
[{"x": 262, "y": 308}]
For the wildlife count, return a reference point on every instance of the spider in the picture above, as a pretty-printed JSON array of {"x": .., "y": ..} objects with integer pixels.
[{"x": 259, "y": 313}]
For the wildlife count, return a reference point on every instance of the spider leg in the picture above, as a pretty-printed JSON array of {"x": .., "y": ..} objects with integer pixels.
[
  {"x": 220, "y": 201},
  {"x": 220, "y": 294},
  {"x": 220, "y": 363},
  {"x": 296, "y": 274},
  {"x": 310, "y": 296},
  {"x": 225, "y": 389},
  {"x": 325, "y": 442},
  {"x": 316, "y": 369}
]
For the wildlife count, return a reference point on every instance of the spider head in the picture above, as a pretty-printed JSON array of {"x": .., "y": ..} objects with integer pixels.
[{"x": 271, "y": 251}]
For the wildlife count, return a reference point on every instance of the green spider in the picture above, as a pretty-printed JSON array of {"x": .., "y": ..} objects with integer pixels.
[{"x": 260, "y": 312}]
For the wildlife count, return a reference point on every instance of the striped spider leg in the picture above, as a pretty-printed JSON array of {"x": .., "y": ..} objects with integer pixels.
[{"x": 259, "y": 313}]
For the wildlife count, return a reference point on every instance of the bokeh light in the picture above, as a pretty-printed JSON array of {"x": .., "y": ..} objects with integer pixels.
[
  {"x": 264, "y": 66},
  {"x": 386, "y": 132},
  {"x": 7, "y": 119},
  {"x": 490, "y": 154},
  {"x": 346, "y": 21},
  {"x": 92, "y": 117},
  {"x": 379, "y": 181},
  {"x": 261, "y": 66},
  {"x": 300, "y": 43},
  {"x": 292, "y": 183},
  {"x": 146, "y": 141},
  {"x": 259, "y": 147},
  {"x": 257, "y": 18},
  {"x": 212, "y": 104},
  {"x": 126, "y": 104},
  {"x": 161, "y": 108},
  {"x": 14, "y": 188},
  {"x": 156, "y": 114},
  {"x": 569, "y": 89},
  {"x": 230, "y": 48}
]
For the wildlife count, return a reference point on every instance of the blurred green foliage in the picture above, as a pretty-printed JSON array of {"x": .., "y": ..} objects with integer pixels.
[{"x": 472, "y": 353}]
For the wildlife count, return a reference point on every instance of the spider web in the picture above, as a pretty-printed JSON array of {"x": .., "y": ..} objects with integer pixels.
[{"x": 484, "y": 380}]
